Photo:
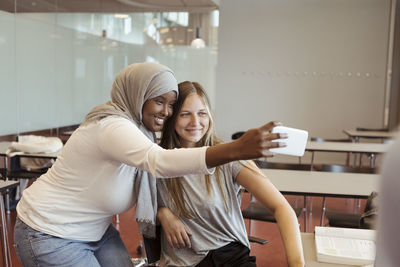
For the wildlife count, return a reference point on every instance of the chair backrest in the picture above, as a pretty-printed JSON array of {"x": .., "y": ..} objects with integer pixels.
[
  {"x": 372, "y": 129},
  {"x": 371, "y": 202},
  {"x": 285, "y": 166},
  {"x": 237, "y": 135},
  {"x": 320, "y": 139},
  {"x": 340, "y": 168}
]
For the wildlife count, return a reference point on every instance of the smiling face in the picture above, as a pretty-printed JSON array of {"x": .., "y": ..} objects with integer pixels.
[
  {"x": 156, "y": 110},
  {"x": 192, "y": 121}
]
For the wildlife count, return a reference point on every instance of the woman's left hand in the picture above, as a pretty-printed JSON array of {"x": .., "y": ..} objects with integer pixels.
[{"x": 176, "y": 232}]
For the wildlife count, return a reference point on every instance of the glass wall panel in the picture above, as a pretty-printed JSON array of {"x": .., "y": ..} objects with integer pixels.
[
  {"x": 8, "y": 91},
  {"x": 56, "y": 66}
]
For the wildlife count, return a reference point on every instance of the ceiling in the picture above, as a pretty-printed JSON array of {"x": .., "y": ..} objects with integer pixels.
[{"x": 107, "y": 6}]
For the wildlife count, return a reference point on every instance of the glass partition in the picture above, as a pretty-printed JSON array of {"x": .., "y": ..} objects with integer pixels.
[{"x": 55, "y": 66}]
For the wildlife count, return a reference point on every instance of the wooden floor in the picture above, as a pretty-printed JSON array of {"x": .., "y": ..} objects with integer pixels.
[{"x": 271, "y": 254}]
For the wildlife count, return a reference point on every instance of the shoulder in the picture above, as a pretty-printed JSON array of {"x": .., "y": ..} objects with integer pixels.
[
  {"x": 232, "y": 169},
  {"x": 113, "y": 124},
  {"x": 115, "y": 120}
]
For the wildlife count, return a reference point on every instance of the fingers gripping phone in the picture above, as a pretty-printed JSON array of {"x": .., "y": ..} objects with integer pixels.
[{"x": 295, "y": 142}]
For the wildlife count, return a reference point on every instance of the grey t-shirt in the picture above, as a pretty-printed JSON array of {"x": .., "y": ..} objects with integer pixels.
[{"x": 212, "y": 226}]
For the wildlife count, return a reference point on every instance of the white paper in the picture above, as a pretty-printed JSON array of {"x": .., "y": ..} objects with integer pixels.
[{"x": 345, "y": 245}]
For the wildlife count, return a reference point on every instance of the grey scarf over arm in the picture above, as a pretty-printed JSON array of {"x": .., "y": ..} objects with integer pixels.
[{"x": 132, "y": 87}]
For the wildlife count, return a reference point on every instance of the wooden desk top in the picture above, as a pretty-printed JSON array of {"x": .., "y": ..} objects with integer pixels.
[
  {"x": 4, "y": 145},
  {"x": 323, "y": 183},
  {"x": 370, "y": 134},
  {"x": 347, "y": 147}
]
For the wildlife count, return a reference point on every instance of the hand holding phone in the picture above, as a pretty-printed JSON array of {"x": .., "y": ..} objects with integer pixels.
[{"x": 295, "y": 142}]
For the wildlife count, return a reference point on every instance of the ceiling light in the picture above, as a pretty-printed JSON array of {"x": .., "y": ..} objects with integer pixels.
[
  {"x": 198, "y": 43},
  {"x": 121, "y": 16}
]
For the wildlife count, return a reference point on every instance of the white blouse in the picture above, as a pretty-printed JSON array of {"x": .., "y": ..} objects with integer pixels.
[{"x": 93, "y": 177}]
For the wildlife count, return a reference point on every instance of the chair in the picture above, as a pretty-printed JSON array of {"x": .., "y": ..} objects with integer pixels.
[
  {"x": 256, "y": 211},
  {"x": 353, "y": 220},
  {"x": 373, "y": 129},
  {"x": 340, "y": 168}
]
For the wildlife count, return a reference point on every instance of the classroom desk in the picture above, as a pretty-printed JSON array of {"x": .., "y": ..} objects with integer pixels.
[
  {"x": 4, "y": 189},
  {"x": 4, "y": 145},
  {"x": 310, "y": 255},
  {"x": 367, "y": 148},
  {"x": 325, "y": 184},
  {"x": 328, "y": 184},
  {"x": 356, "y": 135}
]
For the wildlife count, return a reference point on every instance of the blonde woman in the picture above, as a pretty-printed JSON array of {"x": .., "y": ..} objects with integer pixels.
[{"x": 213, "y": 232}]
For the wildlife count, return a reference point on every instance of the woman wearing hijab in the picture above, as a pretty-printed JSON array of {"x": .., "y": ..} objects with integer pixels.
[{"x": 107, "y": 166}]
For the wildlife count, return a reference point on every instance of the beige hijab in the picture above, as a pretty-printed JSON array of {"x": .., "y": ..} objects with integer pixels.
[{"x": 132, "y": 87}]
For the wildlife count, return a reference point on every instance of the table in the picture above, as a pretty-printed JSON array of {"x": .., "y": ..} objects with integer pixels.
[
  {"x": 368, "y": 148},
  {"x": 328, "y": 184},
  {"x": 310, "y": 255},
  {"x": 4, "y": 189},
  {"x": 356, "y": 135},
  {"x": 4, "y": 145},
  {"x": 325, "y": 184}
]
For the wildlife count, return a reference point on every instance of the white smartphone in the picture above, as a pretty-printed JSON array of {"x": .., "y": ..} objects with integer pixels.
[{"x": 295, "y": 142}]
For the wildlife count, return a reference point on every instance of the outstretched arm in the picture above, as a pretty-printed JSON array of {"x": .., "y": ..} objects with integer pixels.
[
  {"x": 254, "y": 143},
  {"x": 256, "y": 183}
]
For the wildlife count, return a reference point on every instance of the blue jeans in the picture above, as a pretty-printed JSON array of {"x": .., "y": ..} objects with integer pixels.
[{"x": 35, "y": 248}]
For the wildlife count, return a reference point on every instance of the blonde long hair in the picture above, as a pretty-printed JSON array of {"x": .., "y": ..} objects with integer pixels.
[{"x": 170, "y": 139}]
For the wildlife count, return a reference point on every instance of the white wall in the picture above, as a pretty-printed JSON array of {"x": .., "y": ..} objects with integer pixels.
[{"x": 312, "y": 64}]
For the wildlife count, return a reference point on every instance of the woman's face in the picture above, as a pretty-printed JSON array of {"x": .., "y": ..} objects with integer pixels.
[
  {"x": 157, "y": 110},
  {"x": 192, "y": 122}
]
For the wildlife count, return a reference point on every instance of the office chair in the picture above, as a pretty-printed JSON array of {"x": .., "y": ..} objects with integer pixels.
[
  {"x": 372, "y": 129},
  {"x": 340, "y": 168},
  {"x": 365, "y": 220}
]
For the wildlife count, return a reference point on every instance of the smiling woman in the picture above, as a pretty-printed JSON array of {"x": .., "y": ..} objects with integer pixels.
[
  {"x": 192, "y": 121},
  {"x": 157, "y": 110},
  {"x": 207, "y": 207}
]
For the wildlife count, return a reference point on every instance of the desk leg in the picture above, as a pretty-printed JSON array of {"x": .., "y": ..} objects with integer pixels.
[
  {"x": 7, "y": 196},
  {"x": 355, "y": 156},
  {"x": 372, "y": 160},
  {"x": 356, "y": 140},
  {"x": 6, "y": 249},
  {"x": 323, "y": 210},
  {"x": 305, "y": 214}
]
